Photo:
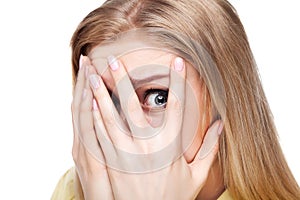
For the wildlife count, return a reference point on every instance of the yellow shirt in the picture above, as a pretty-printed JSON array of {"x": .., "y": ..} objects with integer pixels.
[{"x": 65, "y": 188}]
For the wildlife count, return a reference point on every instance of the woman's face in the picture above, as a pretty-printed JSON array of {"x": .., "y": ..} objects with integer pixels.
[{"x": 149, "y": 69}]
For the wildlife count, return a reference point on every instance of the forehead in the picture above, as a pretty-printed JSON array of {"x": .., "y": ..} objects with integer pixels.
[
  {"x": 133, "y": 55},
  {"x": 134, "y": 48},
  {"x": 141, "y": 61}
]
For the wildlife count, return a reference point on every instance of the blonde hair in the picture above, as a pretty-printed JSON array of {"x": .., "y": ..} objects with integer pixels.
[{"x": 252, "y": 161}]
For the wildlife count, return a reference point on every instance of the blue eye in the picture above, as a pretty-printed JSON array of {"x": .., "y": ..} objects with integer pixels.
[{"x": 155, "y": 98}]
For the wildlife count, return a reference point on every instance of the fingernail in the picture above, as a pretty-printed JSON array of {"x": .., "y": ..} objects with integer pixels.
[
  {"x": 220, "y": 129},
  {"x": 94, "y": 80},
  {"x": 210, "y": 140},
  {"x": 80, "y": 61},
  {"x": 113, "y": 63},
  {"x": 95, "y": 105},
  {"x": 179, "y": 65}
]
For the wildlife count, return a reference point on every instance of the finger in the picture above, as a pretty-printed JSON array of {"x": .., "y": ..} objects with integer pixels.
[
  {"x": 109, "y": 152},
  {"x": 99, "y": 126},
  {"x": 77, "y": 94},
  {"x": 90, "y": 152},
  {"x": 129, "y": 101},
  {"x": 85, "y": 113},
  {"x": 208, "y": 150},
  {"x": 176, "y": 99},
  {"x": 109, "y": 120},
  {"x": 85, "y": 120},
  {"x": 80, "y": 82},
  {"x": 103, "y": 137},
  {"x": 94, "y": 81},
  {"x": 75, "y": 139},
  {"x": 93, "y": 77},
  {"x": 84, "y": 124}
]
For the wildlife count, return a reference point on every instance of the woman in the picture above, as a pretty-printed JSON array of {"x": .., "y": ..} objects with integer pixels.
[{"x": 204, "y": 47}]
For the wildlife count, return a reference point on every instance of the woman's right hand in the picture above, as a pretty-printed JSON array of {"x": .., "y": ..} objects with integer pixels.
[{"x": 92, "y": 174}]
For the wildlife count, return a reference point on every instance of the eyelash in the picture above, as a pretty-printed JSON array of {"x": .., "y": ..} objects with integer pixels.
[
  {"x": 144, "y": 97},
  {"x": 150, "y": 91}
]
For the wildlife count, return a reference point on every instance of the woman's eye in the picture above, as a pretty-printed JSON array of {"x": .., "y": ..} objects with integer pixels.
[{"x": 155, "y": 98}]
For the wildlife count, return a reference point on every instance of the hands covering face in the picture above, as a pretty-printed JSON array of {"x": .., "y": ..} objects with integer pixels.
[{"x": 126, "y": 157}]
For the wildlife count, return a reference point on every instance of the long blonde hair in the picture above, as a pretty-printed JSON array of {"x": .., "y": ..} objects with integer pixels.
[{"x": 250, "y": 155}]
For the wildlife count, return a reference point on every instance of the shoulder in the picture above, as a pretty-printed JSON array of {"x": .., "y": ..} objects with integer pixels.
[{"x": 65, "y": 187}]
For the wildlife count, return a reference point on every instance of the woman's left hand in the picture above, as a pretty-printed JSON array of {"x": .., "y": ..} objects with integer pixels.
[{"x": 146, "y": 162}]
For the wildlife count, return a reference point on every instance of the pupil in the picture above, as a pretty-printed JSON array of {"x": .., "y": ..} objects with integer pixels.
[{"x": 160, "y": 100}]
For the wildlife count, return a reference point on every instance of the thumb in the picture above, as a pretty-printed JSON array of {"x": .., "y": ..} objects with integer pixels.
[{"x": 207, "y": 152}]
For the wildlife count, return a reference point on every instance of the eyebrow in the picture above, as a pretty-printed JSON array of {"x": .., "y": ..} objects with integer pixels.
[{"x": 141, "y": 81}]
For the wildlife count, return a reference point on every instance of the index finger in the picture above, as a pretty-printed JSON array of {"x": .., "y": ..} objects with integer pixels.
[
  {"x": 169, "y": 142},
  {"x": 176, "y": 99}
]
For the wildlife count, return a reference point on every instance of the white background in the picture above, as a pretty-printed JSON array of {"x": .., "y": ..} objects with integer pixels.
[{"x": 35, "y": 85}]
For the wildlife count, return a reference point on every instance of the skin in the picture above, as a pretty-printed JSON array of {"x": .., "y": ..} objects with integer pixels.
[
  {"x": 135, "y": 60},
  {"x": 153, "y": 65}
]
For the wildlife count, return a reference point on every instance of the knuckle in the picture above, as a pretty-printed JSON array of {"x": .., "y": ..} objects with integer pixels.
[{"x": 109, "y": 121}]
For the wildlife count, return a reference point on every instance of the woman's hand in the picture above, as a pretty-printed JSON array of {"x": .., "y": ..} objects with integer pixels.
[
  {"x": 91, "y": 172},
  {"x": 145, "y": 162}
]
